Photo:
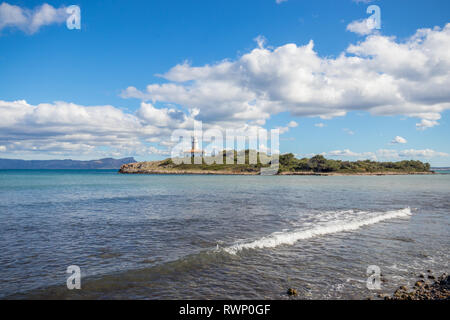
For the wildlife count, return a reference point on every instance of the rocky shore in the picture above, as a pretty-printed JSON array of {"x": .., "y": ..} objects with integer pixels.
[
  {"x": 428, "y": 287},
  {"x": 159, "y": 167}
]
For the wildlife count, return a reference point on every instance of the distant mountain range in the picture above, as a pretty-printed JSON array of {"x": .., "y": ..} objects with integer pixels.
[
  {"x": 441, "y": 169},
  {"x": 107, "y": 163}
]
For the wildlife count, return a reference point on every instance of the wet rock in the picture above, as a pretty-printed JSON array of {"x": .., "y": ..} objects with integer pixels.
[
  {"x": 438, "y": 290},
  {"x": 398, "y": 293},
  {"x": 419, "y": 283},
  {"x": 421, "y": 276},
  {"x": 292, "y": 292},
  {"x": 431, "y": 277}
]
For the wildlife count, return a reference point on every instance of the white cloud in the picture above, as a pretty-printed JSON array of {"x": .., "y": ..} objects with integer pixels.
[
  {"x": 285, "y": 129},
  {"x": 386, "y": 154},
  {"x": 63, "y": 128},
  {"x": 362, "y": 27},
  {"x": 161, "y": 117},
  {"x": 30, "y": 21},
  {"x": 2, "y": 148},
  {"x": 260, "y": 41},
  {"x": 292, "y": 124},
  {"x": 280, "y": 1},
  {"x": 427, "y": 153},
  {"x": 11, "y": 16},
  {"x": 348, "y": 131},
  {"x": 398, "y": 140},
  {"x": 425, "y": 123},
  {"x": 320, "y": 125},
  {"x": 380, "y": 75},
  {"x": 351, "y": 154},
  {"x": 66, "y": 128}
]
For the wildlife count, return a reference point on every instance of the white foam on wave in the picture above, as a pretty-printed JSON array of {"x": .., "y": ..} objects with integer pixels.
[{"x": 359, "y": 220}]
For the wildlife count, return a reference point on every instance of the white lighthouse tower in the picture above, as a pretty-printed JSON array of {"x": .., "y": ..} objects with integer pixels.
[
  {"x": 195, "y": 149},
  {"x": 195, "y": 144}
]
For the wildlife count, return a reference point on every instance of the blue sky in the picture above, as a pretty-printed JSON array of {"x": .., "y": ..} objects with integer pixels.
[{"x": 56, "y": 82}]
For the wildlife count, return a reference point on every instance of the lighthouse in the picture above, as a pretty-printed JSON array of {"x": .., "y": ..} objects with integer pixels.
[
  {"x": 195, "y": 149},
  {"x": 194, "y": 145}
]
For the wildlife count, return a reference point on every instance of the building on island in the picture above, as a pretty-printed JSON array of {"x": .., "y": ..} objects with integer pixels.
[{"x": 195, "y": 151}]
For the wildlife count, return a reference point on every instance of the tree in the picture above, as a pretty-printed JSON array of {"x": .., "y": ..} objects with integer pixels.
[{"x": 317, "y": 163}]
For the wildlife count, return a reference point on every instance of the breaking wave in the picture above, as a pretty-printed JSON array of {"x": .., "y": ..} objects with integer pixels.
[{"x": 338, "y": 222}]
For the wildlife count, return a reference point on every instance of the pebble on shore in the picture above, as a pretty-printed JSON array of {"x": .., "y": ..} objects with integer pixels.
[
  {"x": 292, "y": 292},
  {"x": 422, "y": 290}
]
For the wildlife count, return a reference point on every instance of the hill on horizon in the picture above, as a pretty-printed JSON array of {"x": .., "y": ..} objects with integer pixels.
[{"x": 106, "y": 163}]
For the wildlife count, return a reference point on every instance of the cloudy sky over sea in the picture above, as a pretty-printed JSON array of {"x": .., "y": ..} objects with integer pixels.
[{"x": 137, "y": 70}]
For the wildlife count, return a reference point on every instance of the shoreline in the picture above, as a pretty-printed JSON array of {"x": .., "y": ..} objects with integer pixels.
[
  {"x": 287, "y": 165},
  {"x": 231, "y": 173},
  {"x": 428, "y": 287}
]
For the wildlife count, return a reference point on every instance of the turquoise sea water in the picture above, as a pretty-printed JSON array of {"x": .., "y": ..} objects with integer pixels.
[
  {"x": 198, "y": 237},
  {"x": 443, "y": 171}
]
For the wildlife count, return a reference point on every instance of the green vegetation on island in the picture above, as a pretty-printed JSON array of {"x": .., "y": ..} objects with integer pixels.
[
  {"x": 318, "y": 163},
  {"x": 288, "y": 164}
]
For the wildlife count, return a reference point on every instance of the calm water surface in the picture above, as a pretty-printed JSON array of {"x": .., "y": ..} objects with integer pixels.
[{"x": 217, "y": 237}]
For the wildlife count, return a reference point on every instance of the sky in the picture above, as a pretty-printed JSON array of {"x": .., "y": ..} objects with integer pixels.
[{"x": 334, "y": 82}]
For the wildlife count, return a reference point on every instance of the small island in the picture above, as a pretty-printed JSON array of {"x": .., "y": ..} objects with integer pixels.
[{"x": 288, "y": 165}]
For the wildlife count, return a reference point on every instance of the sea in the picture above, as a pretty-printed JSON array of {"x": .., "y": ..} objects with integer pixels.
[{"x": 218, "y": 237}]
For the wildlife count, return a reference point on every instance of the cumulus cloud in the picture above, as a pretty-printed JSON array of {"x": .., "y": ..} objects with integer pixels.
[
  {"x": 427, "y": 153},
  {"x": 63, "y": 128},
  {"x": 398, "y": 140},
  {"x": 66, "y": 128},
  {"x": 261, "y": 41},
  {"x": 388, "y": 154},
  {"x": 425, "y": 123},
  {"x": 290, "y": 125},
  {"x": 380, "y": 75},
  {"x": 164, "y": 117},
  {"x": 30, "y": 21},
  {"x": 362, "y": 27}
]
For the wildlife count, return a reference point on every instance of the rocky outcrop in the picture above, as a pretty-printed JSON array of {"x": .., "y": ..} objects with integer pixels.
[
  {"x": 166, "y": 167},
  {"x": 424, "y": 289},
  {"x": 160, "y": 167}
]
